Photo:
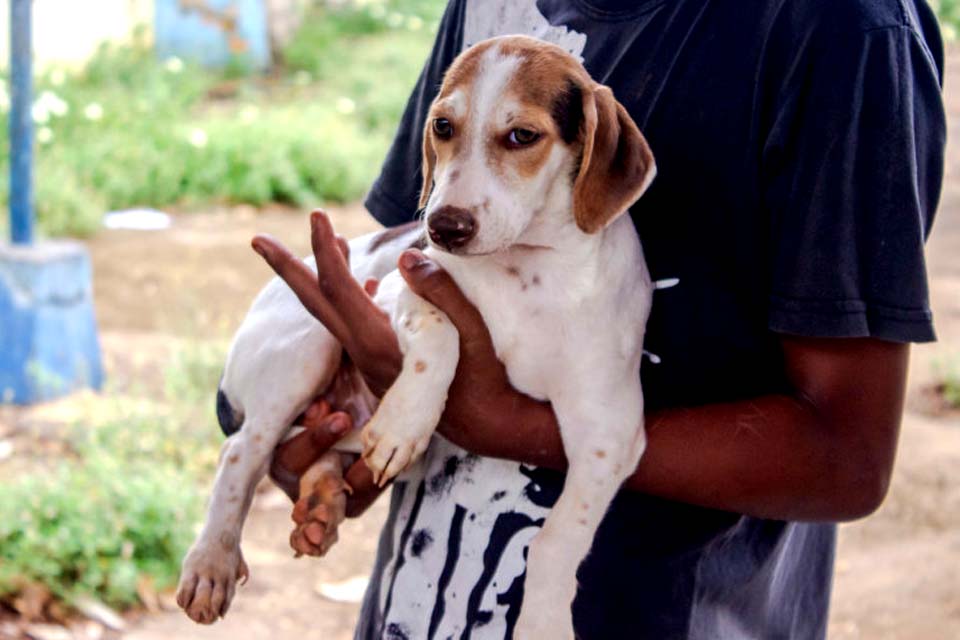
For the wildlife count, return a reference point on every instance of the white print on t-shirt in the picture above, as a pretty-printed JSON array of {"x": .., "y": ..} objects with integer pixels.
[{"x": 485, "y": 19}]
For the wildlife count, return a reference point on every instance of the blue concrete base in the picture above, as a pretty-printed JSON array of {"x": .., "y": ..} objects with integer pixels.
[
  {"x": 213, "y": 32},
  {"x": 48, "y": 333}
]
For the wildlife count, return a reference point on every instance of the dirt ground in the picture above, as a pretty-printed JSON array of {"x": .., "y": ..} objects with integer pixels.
[{"x": 897, "y": 571}]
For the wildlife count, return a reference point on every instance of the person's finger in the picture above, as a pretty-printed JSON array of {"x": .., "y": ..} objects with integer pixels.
[
  {"x": 431, "y": 282},
  {"x": 314, "y": 415},
  {"x": 344, "y": 247},
  {"x": 333, "y": 272},
  {"x": 371, "y": 286},
  {"x": 303, "y": 281},
  {"x": 293, "y": 457},
  {"x": 364, "y": 491}
]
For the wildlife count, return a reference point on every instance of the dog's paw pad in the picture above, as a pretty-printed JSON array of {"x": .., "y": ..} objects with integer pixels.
[{"x": 317, "y": 516}]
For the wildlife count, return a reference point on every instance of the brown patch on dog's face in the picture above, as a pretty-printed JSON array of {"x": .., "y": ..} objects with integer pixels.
[
  {"x": 521, "y": 128},
  {"x": 545, "y": 90}
]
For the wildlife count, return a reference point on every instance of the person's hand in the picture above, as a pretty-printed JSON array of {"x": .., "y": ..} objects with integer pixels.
[
  {"x": 323, "y": 428},
  {"x": 481, "y": 400},
  {"x": 338, "y": 301}
]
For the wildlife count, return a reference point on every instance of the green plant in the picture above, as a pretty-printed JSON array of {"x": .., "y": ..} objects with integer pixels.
[
  {"x": 948, "y": 11},
  {"x": 120, "y": 510},
  {"x": 950, "y": 385},
  {"x": 131, "y": 130}
]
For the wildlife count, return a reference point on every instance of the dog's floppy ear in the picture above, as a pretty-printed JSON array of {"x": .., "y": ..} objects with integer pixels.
[
  {"x": 617, "y": 164},
  {"x": 429, "y": 162}
]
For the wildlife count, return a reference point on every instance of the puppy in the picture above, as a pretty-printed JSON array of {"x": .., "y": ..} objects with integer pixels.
[{"x": 528, "y": 166}]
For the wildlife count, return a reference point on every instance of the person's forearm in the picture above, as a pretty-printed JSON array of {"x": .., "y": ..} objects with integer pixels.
[{"x": 769, "y": 457}]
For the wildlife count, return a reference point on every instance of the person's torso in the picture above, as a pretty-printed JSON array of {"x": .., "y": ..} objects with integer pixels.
[{"x": 697, "y": 77}]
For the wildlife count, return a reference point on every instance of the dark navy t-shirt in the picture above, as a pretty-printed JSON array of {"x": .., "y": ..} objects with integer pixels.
[{"x": 799, "y": 145}]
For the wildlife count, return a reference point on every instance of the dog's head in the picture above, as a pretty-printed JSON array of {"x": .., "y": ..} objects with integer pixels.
[{"x": 520, "y": 140}]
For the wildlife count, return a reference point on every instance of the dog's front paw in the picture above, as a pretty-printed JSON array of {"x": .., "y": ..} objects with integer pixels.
[
  {"x": 208, "y": 580},
  {"x": 319, "y": 511},
  {"x": 388, "y": 451}
]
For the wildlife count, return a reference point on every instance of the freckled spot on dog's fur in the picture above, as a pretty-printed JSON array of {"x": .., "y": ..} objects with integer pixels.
[
  {"x": 257, "y": 438},
  {"x": 420, "y": 366},
  {"x": 600, "y": 453},
  {"x": 584, "y": 505},
  {"x": 233, "y": 498},
  {"x": 536, "y": 280},
  {"x": 513, "y": 271},
  {"x": 582, "y": 521},
  {"x": 233, "y": 459},
  {"x": 454, "y": 175}
]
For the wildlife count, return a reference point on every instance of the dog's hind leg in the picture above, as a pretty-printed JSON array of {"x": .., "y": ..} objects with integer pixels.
[{"x": 214, "y": 563}]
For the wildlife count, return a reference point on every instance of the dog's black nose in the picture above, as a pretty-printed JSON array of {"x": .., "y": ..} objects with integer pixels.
[{"x": 451, "y": 227}]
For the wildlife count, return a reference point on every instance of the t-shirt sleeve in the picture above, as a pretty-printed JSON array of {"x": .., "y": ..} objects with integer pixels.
[
  {"x": 853, "y": 169},
  {"x": 393, "y": 198}
]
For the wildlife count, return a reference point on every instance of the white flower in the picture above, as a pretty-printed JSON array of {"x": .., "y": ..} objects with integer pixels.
[
  {"x": 949, "y": 32},
  {"x": 394, "y": 20},
  {"x": 93, "y": 111},
  {"x": 302, "y": 78},
  {"x": 58, "y": 77},
  {"x": 48, "y": 104},
  {"x": 40, "y": 113},
  {"x": 173, "y": 64},
  {"x": 198, "y": 138},
  {"x": 44, "y": 135},
  {"x": 345, "y": 105},
  {"x": 414, "y": 23}
]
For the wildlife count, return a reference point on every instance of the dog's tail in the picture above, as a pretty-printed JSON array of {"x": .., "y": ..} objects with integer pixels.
[{"x": 230, "y": 419}]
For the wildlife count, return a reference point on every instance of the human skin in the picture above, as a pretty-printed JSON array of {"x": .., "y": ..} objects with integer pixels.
[{"x": 822, "y": 452}]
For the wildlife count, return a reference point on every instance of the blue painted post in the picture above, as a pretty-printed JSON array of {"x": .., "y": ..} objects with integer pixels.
[
  {"x": 48, "y": 332},
  {"x": 21, "y": 123}
]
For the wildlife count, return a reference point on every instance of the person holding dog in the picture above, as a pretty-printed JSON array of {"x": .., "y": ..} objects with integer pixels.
[{"x": 800, "y": 154}]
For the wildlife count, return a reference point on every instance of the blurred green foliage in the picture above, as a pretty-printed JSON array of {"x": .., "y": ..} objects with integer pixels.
[
  {"x": 123, "y": 508},
  {"x": 949, "y": 13},
  {"x": 131, "y": 130},
  {"x": 950, "y": 384}
]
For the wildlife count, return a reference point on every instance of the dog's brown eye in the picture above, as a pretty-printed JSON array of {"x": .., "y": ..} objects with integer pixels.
[
  {"x": 522, "y": 137},
  {"x": 442, "y": 127}
]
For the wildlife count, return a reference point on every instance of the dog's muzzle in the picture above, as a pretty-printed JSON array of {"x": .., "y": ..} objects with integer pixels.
[{"x": 451, "y": 227}]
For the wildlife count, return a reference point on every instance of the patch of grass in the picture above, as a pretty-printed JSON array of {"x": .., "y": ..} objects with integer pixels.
[
  {"x": 949, "y": 386},
  {"x": 131, "y": 130},
  {"x": 123, "y": 508},
  {"x": 948, "y": 11}
]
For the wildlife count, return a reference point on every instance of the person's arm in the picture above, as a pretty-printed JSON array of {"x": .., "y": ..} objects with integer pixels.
[{"x": 824, "y": 452}]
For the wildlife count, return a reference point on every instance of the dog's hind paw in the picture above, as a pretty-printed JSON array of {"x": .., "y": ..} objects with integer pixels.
[
  {"x": 317, "y": 514},
  {"x": 208, "y": 581}
]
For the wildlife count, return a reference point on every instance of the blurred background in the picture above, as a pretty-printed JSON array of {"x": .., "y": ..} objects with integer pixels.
[{"x": 167, "y": 133}]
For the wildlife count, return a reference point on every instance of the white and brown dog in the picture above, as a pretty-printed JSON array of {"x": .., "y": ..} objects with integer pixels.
[{"x": 528, "y": 168}]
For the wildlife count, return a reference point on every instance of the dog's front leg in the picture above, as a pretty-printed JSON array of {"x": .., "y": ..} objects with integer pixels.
[
  {"x": 603, "y": 437},
  {"x": 400, "y": 430},
  {"x": 214, "y": 563}
]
